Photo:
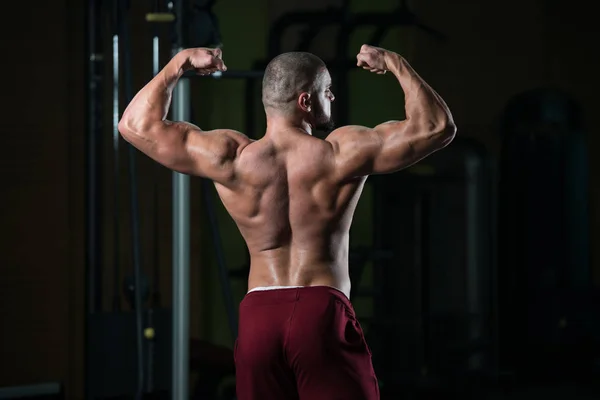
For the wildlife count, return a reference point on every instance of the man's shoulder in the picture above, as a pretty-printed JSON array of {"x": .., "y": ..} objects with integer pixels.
[{"x": 346, "y": 131}]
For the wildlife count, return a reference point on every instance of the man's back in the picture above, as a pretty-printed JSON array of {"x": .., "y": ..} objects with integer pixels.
[
  {"x": 292, "y": 211},
  {"x": 292, "y": 195}
]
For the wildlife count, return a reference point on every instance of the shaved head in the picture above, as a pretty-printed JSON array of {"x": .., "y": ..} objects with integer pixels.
[{"x": 287, "y": 76}]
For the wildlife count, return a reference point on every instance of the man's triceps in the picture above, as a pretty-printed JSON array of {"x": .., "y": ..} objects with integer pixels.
[
  {"x": 397, "y": 150},
  {"x": 211, "y": 154},
  {"x": 384, "y": 149},
  {"x": 185, "y": 148}
]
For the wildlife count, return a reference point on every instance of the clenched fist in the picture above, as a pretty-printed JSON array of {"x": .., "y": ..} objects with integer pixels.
[
  {"x": 372, "y": 59},
  {"x": 204, "y": 60}
]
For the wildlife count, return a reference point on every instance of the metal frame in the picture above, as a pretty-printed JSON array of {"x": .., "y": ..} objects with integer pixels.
[
  {"x": 93, "y": 170},
  {"x": 93, "y": 207},
  {"x": 181, "y": 257},
  {"x": 181, "y": 110}
]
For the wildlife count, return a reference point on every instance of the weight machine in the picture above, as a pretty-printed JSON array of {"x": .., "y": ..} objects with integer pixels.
[
  {"x": 110, "y": 336},
  {"x": 549, "y": 303}
]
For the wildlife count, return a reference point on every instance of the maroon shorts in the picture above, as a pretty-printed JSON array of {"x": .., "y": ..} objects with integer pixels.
[{"x": 302, "y": 343}]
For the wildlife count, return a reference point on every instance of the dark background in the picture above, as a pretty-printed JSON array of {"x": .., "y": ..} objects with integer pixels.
[{"x": 494, "y": 51}]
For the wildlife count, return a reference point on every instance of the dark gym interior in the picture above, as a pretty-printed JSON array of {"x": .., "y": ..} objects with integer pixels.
[{"x": 475, "y": 272}]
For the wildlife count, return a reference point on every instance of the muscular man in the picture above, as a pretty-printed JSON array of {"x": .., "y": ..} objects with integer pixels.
[{"x": 292, "y": 196}]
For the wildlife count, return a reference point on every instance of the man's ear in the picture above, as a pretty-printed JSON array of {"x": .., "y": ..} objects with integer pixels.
[{"x": 304, "y": 102}]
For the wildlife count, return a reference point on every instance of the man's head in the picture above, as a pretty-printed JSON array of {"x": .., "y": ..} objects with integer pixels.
[{"x": 298, "y": 84}]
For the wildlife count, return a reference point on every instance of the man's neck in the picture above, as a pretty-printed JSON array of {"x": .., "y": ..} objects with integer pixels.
[{"x": 279, "y": 124}]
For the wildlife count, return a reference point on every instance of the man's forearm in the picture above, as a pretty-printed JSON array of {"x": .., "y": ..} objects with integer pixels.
[
  {"x": 151, "y": 104},
  {"x": 422, "y": 104}
]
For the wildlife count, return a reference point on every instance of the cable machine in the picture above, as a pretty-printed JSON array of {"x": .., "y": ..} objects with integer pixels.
[
  {"x": 121, "y": 347},
  {"x": 147, "y": 350}
]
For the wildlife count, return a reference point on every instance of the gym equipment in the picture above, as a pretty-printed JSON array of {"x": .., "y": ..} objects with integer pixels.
[
  {"x": 134, "y": 210},
  {"x": 215, "y": 364},
  {"x": 93, "y": 192},
  {"x": 180, "y": 109},
  {"x": 434, "y": 311},
  {"x": 112, "y": 371},
  {"x": 157, "y": 16},
  {"x": 116, "y": 140},
  {"x": 203, "y": 25},
  {"x": 315, "y": 21},
  {"x": 95, "y": 116},
  {"x": 38, "y": 391},
  {"x": 144, "y": 325},
  {"x": 544, "y": 232}
]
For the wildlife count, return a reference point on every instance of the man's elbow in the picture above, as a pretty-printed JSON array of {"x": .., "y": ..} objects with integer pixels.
[
  {"x": 125, "y": 126},
  {"x": 445, "y": 133},
  {"x": 131, "y": 127}
]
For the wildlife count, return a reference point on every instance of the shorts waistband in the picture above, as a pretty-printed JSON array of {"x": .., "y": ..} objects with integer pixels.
[
  {"x": 274, "y": 294},
  {"x": 260, "y": 288}
]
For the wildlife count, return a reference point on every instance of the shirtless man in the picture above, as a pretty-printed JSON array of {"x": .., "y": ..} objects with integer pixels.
[{"x": 293, "y": 196}]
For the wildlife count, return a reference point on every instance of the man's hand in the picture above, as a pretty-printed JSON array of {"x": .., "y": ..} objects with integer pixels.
[
  {"x": 372, "y": 59},
  {"x": 204, "y": 61}
]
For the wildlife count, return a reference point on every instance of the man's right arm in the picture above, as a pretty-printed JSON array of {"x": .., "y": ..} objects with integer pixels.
[{"x": 394, "y": 145}]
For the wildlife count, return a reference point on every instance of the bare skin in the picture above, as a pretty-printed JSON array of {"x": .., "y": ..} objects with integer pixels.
[{"x": 292, "y": 195}]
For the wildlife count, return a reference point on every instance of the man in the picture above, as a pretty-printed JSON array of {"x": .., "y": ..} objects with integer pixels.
[{"x": 292, "y": 196}]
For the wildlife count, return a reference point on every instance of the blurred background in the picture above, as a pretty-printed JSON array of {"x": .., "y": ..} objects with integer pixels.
[{"x": 475, "y": 272}]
